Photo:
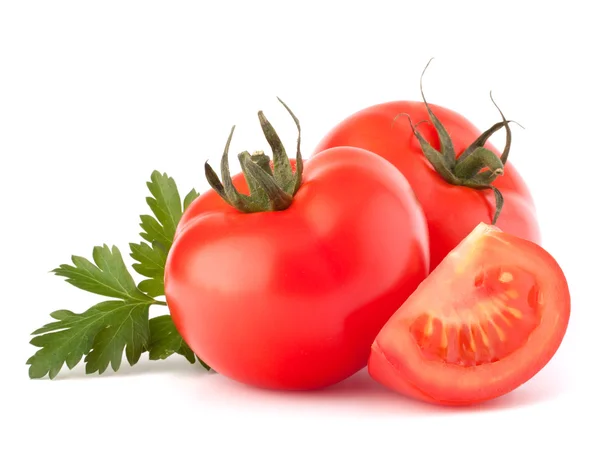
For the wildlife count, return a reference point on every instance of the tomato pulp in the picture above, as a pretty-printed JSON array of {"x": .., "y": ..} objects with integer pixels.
[
  {"x": 293, "y": 299},
  {"x": 452, "y": 211},
  {"x": 485, "y": 321}
]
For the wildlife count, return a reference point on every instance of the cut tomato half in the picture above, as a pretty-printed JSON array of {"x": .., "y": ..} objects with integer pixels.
[{"x": 485, "y": 321}]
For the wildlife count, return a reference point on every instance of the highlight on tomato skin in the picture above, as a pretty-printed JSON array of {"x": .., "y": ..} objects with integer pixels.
[{"x": 485, "y": 321}]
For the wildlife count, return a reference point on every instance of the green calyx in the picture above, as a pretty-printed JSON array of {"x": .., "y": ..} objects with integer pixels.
[
  {"x": 477, "y": 167},
  {"x": 271, "y": 189}
]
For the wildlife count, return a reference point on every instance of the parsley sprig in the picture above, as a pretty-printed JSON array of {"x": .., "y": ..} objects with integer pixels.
[{"x": 122, "y": 323}]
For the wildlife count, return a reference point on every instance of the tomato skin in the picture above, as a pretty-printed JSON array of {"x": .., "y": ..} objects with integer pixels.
[
  {"x": 294, "y": 299},
  {"x": 451, "y": 211},
  {"x": 397, "y": 362}
]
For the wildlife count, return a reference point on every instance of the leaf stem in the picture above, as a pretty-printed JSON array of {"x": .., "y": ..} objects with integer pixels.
[{"x": 162, "y": 303}]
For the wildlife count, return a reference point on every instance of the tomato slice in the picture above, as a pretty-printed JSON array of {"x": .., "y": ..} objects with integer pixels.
[{"x": 484, "y": 322}]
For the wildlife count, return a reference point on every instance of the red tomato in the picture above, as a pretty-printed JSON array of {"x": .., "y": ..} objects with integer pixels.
[
  {"x": 293, "y": 299},
  {"x": 452, "y": 211},
  {"x": 485, "y": 321}
]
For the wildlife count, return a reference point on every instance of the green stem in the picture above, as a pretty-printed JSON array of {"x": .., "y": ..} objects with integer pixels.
[
  {"x": 281, "y": 163},
  {"x": 477, "y": 167},
  {"x": 271, "y": 189},
  {"x": 299, "y": 161},
  {"x": 262, "y": 160},
  {"x": 277, "y": 197},
  {"x": 446, "y": 146},
  {"x": 481, "y": 158}
]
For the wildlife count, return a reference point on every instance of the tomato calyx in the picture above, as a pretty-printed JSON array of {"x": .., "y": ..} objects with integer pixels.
[
  {"x": 272, "y": 187},
  {"x": 477, "y": 167}
]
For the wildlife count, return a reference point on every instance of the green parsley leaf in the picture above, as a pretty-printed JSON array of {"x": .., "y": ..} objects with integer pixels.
[
  {"x": 166, "y": 340},
  {"x": 101, "y": 332},
  {"x": 166, "y": 206},
  {"x": 105, "y": 330},
  {"x": 108, "y": 277},
  {"x": 153, "y": 231},
  {"x": 159, "y": 232},
  {"x": 189, "y": 198},
  {"x": 127, "y": 329},
  {"x": 151, "y": 262}
]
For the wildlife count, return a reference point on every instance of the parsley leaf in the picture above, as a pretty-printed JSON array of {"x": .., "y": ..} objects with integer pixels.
[
  {"x": 101, "y": 333},
  {"x": 151, "y": 257},
  {"x": 127, "y": 328},
  {"x": 151, "y": 262},
  {"x": 166, "y": 340},
  {"x": 193, "y": 194},
  {"x": 166, "y": 206},
  {"x": 104, "y": 330},
  {"x": 108, "y": 277}
]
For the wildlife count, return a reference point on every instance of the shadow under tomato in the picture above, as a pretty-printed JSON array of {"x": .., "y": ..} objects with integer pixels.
[
  {"x": 544, "y": 387},
  {"x": 360, "y": 392},
  {"x": 362, "y": 389}
]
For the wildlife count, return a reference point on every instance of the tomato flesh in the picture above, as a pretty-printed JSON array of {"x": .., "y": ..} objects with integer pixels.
[
  {"x": 485, "y": 321},
  {"x": 493, "y": 319}
]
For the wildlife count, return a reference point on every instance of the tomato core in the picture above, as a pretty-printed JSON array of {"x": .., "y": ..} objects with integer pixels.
[{"x": 492, "y": 319}]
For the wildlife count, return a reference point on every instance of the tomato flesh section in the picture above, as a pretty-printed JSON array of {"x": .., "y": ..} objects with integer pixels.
[
  {"x": 492, "y": 319},
  {"x": 485, "y": 321}
]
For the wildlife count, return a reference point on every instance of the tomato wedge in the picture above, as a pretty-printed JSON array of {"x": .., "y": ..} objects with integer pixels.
[{"x": 485, "y": 321}]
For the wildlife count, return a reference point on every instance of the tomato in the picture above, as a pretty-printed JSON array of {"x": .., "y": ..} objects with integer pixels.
[
  {"x": 293, "y": 298},
  {"x": 452, "y": 211},
  {"x": 485, "y": 321}
]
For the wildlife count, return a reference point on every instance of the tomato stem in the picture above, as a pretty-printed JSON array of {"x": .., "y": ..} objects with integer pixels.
[
  {"x": 277, "y": 198},
  {"x": 480, "y": 158},
  {"x": 477, "y": 167},
  {"x": 270, "y": 189},
  {"x": 262, "y": 160},
  {"x": 446, "y": 146}
]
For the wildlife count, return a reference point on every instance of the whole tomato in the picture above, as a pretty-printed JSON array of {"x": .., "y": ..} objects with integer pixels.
[
  {"x": 459, "y": 178},
  {"x": 282, "y": 279}
]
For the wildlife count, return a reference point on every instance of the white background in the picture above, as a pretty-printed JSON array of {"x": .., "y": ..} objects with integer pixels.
[{"x": 96, "y": 95}]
